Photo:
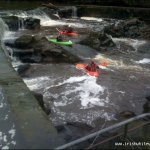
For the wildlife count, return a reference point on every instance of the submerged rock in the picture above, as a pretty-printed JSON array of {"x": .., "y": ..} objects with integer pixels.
[{"x": 98, "y": 41}]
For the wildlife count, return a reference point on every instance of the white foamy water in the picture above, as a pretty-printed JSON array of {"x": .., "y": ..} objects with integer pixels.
[
  {"x": 119, "y": 64},
  {"x": 84, "y": 88},
  {"x": 143, "y": 61},
  {"x": 37, "y": 83},
  {"x": 45, "y": 20},
  {"x": 92, "y": 18},
  {"x": 132, "y": 42},
  {"x": 9, "y": 35}
]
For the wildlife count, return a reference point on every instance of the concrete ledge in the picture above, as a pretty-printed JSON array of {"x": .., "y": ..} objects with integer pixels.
[{"x": 33, "y": 129}]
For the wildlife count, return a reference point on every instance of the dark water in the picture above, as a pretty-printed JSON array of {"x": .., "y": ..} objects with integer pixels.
[{"x": 19, "y": 5}]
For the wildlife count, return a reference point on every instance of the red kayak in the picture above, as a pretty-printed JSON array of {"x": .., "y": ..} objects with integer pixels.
[
  {"x": 68, "y": 33},
  {"x": 91, "y": 73}
]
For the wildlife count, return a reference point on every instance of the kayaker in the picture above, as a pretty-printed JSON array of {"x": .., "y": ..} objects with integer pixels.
[
  {"x": 59, "y": 38},
  {"x": 68, "y": 29},
  {"x": 92, "y": 66}
]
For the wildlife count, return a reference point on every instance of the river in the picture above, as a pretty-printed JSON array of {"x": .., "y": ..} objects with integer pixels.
[{"x": 71, "y": 94}]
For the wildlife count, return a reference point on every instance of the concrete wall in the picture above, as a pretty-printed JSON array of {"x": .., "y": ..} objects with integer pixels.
[{"x": 33, "y": 128}]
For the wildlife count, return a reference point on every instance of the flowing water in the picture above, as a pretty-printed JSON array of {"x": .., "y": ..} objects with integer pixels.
[{"x": 72, "y": 95}]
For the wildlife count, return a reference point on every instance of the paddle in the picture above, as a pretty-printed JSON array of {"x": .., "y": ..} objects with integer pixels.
[{"x": 58, "y": 30}]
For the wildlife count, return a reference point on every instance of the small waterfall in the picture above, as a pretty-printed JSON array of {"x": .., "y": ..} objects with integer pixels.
[
  {"x": 36, "y": 13},
  {"x": 3, "y": 29},
  {"x": 74, "y": 12},
  {"x": 21, "y": 23}
]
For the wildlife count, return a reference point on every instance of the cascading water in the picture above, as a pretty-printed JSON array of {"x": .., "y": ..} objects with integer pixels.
[
  {"x": 4, "y": 28},
  {"x": 74, "y": 12}
]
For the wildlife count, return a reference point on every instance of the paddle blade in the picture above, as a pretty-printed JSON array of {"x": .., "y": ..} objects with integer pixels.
[{"x": 80, "y": 66}]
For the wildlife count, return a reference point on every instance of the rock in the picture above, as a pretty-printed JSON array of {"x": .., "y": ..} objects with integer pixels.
[
  {"x": 39, "y": 98},
  {"x": 98, "y": 41},
  {"x": 12, "y": 22},
  {"x": 24, "y": 41},
  {"x": 36, "y": 49},
  {"x": 128, "y": 28},
  {"x": 127, "y": 114},
  {"x": 132, "y": 22},
  {"x": 32, "y": 23},
  {"x": 22, "y": 68},
  {"x": 10, "y": 42},
  {"x": 65, "y": 13}
]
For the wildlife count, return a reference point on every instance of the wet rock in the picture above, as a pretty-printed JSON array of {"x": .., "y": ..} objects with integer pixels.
[
  {"x": 65, "y": 12},
  {"x": 127, "y": 114},
  {"x": 12, "y": 22},
  {"x": 23, "y": 42},
  {"x": 32, "y": 23},
  {"x": 36, "y": 49},
  {"x": 22, "y": 69},
  {"x": 39, "y": 98},
  {"x": 98, "y": 41},
  {"x": 128, "y": 28}
]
